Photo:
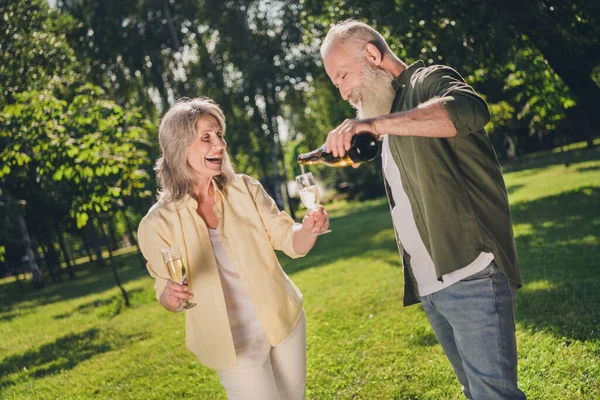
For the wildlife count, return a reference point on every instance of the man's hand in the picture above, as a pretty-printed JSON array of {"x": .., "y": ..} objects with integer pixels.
[
  {"x": 339, "y": 139},
  {"x": 173, "y": 296}
]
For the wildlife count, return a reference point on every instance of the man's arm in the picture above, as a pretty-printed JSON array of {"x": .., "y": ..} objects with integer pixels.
[
  {"x": 429, "y": 119},
  {"x": 453, "y": 108}
]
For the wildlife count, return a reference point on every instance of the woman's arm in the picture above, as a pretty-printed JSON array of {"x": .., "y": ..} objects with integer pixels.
[
  {"x": 305, "y": 234},
  {"x": 281, "y": 228},
  {"x": 169, "y": 294}
]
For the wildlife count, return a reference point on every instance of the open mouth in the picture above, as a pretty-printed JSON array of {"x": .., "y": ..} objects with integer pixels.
[{"x": 214, "y": 160}]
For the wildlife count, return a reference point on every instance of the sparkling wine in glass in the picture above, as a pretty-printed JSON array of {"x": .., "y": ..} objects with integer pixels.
[
  {"x": 177, "y": 271},
  {"x": 309, "y": 193}
]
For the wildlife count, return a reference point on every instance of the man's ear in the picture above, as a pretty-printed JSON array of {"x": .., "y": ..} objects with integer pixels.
[{"x": 373, "y": 54}]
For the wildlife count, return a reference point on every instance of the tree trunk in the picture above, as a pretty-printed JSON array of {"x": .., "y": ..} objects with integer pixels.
[
  {"x": 285, "y": 185},
  {"x": 87, "y": 246},
  {"x": 53, "y": 260},
  {"x": 130, "y": 229},
  {"x": 72, "y": 253},
  {"x": 96, "y": 244},
  {"x": 64, "y": 251},
  {"x": 18, "y": 279},
  {"x": 587, "y": 129},
  {"x": 36, "y": 275},
  {"x": 171, "y": 25},
  {"x": 271, "y": 115},
  {"x": 113, "y": 266},
  {"x": 47, "y": 260},
  {"x": 113, "y": 243}
]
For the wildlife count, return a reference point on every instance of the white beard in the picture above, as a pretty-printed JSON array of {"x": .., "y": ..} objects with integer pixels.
[{"x": 376, "y": 91}]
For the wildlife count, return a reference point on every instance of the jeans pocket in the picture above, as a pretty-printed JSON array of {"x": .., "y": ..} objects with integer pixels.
[
  {"x": 504, "y": 297},
  {"x": 485, "y": 273}
]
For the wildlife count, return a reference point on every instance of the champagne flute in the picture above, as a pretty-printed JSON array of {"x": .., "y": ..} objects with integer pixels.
[
  {"x": 309, "y": 193},
  {"x": 177, "y": 271}
]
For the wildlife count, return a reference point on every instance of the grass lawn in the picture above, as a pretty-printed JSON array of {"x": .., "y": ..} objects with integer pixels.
[{"x": 76, "y": 340}]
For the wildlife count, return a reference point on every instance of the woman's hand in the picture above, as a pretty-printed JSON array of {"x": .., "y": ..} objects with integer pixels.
[
  {"x": 305, "y": 235},
  {"x": 173, "y": 296},
  {"x": 316, "y": 221}
]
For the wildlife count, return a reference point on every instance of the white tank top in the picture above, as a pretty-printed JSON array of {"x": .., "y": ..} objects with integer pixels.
[{"x": 243, "y": 319}]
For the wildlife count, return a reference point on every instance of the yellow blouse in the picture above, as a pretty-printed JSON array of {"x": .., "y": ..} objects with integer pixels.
[{"x": 251, "y": 229}]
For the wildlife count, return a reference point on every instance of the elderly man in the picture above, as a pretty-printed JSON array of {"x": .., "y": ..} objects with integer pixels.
[{"x": 447, "y": 198}]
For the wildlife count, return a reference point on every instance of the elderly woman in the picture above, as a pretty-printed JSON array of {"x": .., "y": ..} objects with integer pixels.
[{"x": 248, "y": 322}]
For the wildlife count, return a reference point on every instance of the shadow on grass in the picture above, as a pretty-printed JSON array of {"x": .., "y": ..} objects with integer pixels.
[
  {"x": 560, "y": 264},
  {"x": 423, "y": 337},
  {"x": 357, "y": 233},
  {"x": 15, "y": 301},
  {"x": 113, "y": 303},
  {"x": 547, "y": 159},
  {"x": 559, "y": 259},
  {"x": 588, "y": 169},
  {"x": 511, "y": 189},
  {"x": 63, "y": 354}
]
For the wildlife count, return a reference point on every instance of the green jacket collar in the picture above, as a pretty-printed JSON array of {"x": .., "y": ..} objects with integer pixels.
[{"x": 401, "y": 80}]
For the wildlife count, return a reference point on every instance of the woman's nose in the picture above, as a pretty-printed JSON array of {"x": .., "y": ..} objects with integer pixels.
[{"x": 219, "y": 143}]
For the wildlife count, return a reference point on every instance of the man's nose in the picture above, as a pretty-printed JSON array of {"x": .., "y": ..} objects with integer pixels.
[{"x": 345, "y": 93}]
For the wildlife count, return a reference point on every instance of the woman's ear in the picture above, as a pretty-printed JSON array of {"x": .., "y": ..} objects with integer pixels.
[{"x": 373, "y": 54}]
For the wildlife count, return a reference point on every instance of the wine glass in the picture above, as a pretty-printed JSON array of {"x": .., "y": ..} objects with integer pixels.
[
  {"x": 177, "y": 271},
  {"x": 309, "y": 193}
]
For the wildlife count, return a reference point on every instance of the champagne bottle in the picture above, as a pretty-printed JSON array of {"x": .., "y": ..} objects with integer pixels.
[{"x": 363, "y": 148}]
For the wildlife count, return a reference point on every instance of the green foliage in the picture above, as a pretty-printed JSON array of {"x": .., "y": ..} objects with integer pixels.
[
  {"x": 93, "y": 147},
  {"x": 501, "y": 115},
  {"x": 34, "y": 51},
  {"x": 533, "y": 57},
  {"x": 542, "y": 96}
]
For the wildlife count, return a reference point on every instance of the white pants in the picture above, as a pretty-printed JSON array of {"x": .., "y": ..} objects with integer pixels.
[{"x": 269, "y": 373}]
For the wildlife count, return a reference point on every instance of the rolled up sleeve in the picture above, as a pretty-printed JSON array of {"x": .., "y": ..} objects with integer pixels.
[
  {"x": 467, "y": 110},
  {"x": 151, "y": 243},
  {"x": 279, "y": 224}
]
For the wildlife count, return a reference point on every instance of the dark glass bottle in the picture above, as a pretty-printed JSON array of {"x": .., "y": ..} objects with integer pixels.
[{"x": 363, "y": 148}]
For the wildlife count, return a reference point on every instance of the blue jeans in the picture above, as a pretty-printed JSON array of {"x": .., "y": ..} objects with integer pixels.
[{"x": 474, "y": 322}]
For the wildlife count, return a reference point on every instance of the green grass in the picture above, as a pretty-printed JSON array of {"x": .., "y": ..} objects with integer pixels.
[{"x": 76, "y": 340}]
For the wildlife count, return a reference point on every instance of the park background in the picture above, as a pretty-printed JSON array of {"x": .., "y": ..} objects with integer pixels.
[{"x": 82, "y": 87}]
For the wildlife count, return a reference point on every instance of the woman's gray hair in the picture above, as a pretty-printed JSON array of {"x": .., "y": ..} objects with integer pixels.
[
  {"x": 177, "y": 131},
  {"x": 357, "y": 34}
]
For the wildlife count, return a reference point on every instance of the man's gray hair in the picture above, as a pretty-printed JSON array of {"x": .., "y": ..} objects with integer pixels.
[
  {"x": 356, "y": 34},
  {"x": 177, "y": 131}
]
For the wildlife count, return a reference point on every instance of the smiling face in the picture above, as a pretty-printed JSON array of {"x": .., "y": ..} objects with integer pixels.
[
  {"x": 206, "y": 152},
  {"x": 344, "y": 69},
  {"x": 366, "y": 87}
]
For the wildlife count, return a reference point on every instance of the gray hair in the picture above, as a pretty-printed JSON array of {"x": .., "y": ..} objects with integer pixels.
[
  {"x": 357, "y": 34},
  {"x": 177, "y": 131}
]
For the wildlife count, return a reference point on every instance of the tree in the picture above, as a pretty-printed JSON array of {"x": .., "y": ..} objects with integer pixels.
[
  {"x": 485, "y": 40},
  {"x": 247, "y": 55}
]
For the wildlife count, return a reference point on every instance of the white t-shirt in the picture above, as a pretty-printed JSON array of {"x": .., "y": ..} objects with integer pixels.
[
  {"x": 408, "y": 234},
  {"x": 243, "y": 319}
]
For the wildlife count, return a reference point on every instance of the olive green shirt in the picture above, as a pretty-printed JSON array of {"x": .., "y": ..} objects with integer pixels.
[{"x": 454, "y": 185}]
